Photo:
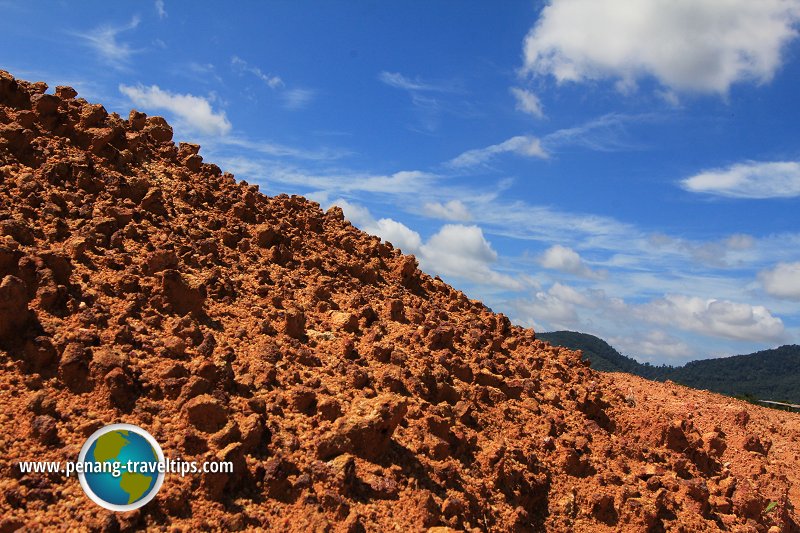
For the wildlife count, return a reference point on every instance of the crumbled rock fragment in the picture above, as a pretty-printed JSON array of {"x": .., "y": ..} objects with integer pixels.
[
  {"x": 366, "y": 429},
  {"x": 206, "y": 413}
]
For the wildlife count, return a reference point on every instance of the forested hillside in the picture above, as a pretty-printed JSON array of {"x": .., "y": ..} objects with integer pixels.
[{"x": 766, "y": 375}]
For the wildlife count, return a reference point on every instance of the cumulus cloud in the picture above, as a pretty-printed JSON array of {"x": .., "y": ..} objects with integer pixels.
[
  {"x": 687, "y": 45},
  {"x": 717, "y": 318},
  {"x": 546, "y": 310},
  {"x": 783, "y": 281},
  {"x": 749, "y": 180},
  {"x": 397, "y": 233},
  {"x": 462, "y": 242},
  {"x": 193, "y": 112},
  {"x": 400, "y": 235},
  {"x": 455, "y": 250},
  {"x": 567, "y": 260},
  {"x": 564, "y": 307},
  {"x": 652, "y": 343},
  {"x": 522, "y": 145},
  {"x": 462, "y": 251},
  {"x": 452, "y": 210},
  {"x": 527, "y": 102},
  {"x": 104, "y": 41}
]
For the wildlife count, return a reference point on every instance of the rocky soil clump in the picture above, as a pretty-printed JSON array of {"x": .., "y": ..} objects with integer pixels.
[{"x": 351, "y": 391}]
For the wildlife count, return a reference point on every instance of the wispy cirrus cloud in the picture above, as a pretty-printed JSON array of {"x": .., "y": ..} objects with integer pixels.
[
  {"x": 752, "y": 179},
  {"x": 427, "y": 99},
  {"x": 331, "y": 182},
  {"x": 281, "y": 150},
  {"x": 295, "y": 99},
  {"x": 522, "y": 145},
  {"x": 606, "y": 133},
  {"x": 104, "y": 40},
  {"x": 527, "y": 102},
  {"x": 399, "y": 81},
  {"x": 271, "y": 81}
]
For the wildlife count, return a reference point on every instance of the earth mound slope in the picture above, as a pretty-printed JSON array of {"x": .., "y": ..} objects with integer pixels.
[{"x": 351, "y": 391}]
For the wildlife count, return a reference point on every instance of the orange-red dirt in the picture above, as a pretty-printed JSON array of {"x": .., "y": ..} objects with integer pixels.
[{"x": 351, "y": 391}]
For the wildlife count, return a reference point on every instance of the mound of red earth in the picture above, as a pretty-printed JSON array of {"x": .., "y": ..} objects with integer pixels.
[{"x": 351, "y": 391}]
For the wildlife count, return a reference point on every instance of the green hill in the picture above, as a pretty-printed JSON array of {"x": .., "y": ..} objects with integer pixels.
[{"x": 766, "y": 375}]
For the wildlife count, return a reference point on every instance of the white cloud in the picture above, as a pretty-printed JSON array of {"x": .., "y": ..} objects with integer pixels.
[
  {"x": 272, "y": 81},
  {"x": 330, "y": 182},
  {"x": 452, "y": 210},
  {"x": 297, "y": 98},
  {"x": 192, "y": 112},
  {"x": 463, "y": 252},
  {"x": 427, "y": 107},
  {"x": 547, "y": 311},
  {"x": 622, "y": 323},
  {"x": 282, "y": 150},
  {"x": 525, "y": 221},
  {"x": 293, "y": 99},
  {"x": 717, "y": 318},
  {"x": 397, "y": 233},
  {"x": 652, "y": 343},
  {"x": 567, "y": 260},
  {"x": 160, "y": 9},
  {"x": 455, "y": 250},
  {"x": 736, "y": 249},
  {"x": 462, "y": 242},
  {"x": 527, "y": 102},
  {"x": 749, "y": 180},
  {"x": 565, "y": 307},
  {"x": 523, "y": 145},
  {"x": 358, "y": 215},
  {"x": 103, "y": 40},
  {"x": 606, "y": 133},
  {"x": 783, "y": 281},
  {"x": 696, "y": 45}
]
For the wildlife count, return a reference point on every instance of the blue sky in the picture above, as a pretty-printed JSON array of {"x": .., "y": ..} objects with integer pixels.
[{"x": 627, "y": 169}]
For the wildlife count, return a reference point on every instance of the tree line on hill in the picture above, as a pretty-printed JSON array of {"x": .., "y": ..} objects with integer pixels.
[{"x": 766, "y": 375}]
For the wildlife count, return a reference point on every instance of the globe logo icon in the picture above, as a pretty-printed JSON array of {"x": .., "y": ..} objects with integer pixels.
[{"x": 123, "y": 467}]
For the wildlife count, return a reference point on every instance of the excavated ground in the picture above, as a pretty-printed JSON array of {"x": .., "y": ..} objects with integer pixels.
[{"x": 351, "y": 391}]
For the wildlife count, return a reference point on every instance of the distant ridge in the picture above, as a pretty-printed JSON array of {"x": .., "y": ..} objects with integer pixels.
[{"x": 766, "y": 375}]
